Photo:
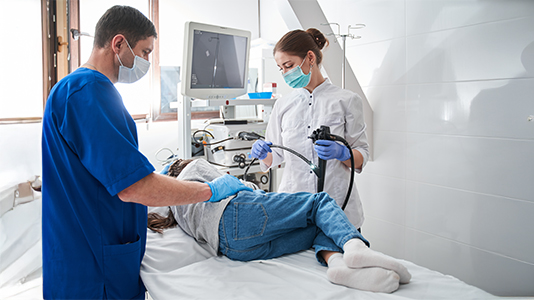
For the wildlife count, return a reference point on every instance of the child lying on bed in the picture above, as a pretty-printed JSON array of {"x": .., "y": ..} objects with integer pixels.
[{"x": 258, "y": 225}]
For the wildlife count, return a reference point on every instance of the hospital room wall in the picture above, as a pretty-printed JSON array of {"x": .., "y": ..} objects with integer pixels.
[
  {"x": 20, "y": 148},
  {"x": 451, "y": 85}
]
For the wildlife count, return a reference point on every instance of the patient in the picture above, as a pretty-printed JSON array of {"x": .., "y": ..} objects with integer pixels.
[{"x": 258, "y": 225}]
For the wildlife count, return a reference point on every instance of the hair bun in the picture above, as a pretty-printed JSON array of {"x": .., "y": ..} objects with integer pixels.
[{"x": 318, "y": 37}]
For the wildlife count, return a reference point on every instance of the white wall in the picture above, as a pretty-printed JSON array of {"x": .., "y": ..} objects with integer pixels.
[
  {"x": 20, "y": 148},
  {"x": 451, "y": 84}
]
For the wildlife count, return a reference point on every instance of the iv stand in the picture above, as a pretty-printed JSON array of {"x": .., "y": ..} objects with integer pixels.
[{"x": 344, "y": 38}]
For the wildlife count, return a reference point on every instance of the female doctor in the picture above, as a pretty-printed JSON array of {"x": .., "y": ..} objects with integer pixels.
[{"x": 314, "y": 102}]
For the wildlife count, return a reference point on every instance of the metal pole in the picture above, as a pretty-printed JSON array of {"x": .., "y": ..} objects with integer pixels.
[{"x": 344, "y": 37}]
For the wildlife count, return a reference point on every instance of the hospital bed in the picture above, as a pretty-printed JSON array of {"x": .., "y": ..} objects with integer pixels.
[
  {"x": 176, "y": 267},
  {"x": 20, "y": 240}
]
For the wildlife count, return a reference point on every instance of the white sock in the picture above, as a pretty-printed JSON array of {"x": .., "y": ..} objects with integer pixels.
[
  {"x": 367, "y": 279},
  {"x": 358, "y": 255}
]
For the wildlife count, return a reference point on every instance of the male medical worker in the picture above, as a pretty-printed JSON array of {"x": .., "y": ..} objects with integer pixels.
[{"x": 96, "y": 183}]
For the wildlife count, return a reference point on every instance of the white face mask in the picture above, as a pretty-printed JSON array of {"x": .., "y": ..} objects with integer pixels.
[{"x": 139, "y": 69}]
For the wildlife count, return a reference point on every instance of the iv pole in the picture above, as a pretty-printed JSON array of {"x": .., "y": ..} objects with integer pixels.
[{"x": 344, "y": 38}]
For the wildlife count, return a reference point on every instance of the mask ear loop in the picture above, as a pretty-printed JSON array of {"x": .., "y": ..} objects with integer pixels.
[
  {"x": 119, "y": 59},
  {"x": 130, "y": 50}
]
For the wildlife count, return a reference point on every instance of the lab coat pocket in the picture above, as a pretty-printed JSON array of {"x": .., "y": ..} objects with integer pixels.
[
  {"x": 250, "y": 220},
  {"x": 122, "y": 265},
  {"x": 294, "y": 134}
]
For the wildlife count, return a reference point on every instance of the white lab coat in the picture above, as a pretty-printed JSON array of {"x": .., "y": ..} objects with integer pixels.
[{"x": 295, "y": 117}]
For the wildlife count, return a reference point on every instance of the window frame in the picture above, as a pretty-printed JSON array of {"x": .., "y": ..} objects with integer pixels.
[{"x": 53, "y": 68}]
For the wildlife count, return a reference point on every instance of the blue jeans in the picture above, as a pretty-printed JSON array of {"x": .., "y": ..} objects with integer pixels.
[{"x": 259, "y": 225}]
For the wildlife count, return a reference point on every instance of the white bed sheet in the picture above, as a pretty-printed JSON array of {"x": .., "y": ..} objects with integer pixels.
[{"x": 176, "y": 267}]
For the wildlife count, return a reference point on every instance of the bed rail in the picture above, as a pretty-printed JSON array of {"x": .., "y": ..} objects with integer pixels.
[{"x": 19, "y": 194}]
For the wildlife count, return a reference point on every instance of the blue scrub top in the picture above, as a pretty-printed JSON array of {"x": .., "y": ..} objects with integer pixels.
[{"x": 93, "y": 243}]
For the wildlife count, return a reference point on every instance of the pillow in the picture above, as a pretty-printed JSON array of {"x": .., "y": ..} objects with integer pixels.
[{"x": 171, "y": 250}]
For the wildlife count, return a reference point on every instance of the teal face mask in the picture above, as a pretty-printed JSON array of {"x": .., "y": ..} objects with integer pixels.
[{"x": 295, "y": 78}]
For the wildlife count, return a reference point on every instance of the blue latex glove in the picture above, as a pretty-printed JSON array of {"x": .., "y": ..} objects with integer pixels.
[
  {"x": 331, "y": 149},
  {"x": 165, "y": 169},
  {"x": 260, "y": 148},
  {"x": 225, "y": 186}
]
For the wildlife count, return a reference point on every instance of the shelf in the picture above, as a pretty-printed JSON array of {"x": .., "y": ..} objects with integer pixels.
[{"x": 235, "y": 102}]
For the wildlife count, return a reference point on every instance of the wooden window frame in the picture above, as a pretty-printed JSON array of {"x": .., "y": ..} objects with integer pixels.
[{"x": 53, "y": 69}]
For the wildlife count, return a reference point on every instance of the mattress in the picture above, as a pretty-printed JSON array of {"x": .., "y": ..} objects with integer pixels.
[{"x": 176, "y": 267}]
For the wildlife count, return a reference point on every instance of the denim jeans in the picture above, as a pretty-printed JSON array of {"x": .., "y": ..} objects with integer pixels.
[{"x": 259, "y": 225}]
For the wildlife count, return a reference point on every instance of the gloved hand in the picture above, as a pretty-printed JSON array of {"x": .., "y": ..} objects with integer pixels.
[
  {"x": 260, "y": 148},
  {"x": 327, "y": 149},
  {"x": 225, "y": 186},
  {"x": 165, "y": 169}
]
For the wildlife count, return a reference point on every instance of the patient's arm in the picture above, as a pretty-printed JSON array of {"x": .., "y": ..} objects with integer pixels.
[{"x": 161, "y": 190}]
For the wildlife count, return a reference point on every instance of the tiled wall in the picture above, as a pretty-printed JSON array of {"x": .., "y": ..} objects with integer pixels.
[{"x": 451, "y": 84}]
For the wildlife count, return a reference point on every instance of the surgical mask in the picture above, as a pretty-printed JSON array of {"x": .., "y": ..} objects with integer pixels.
[
  {"x": 139, "y": 69},
  {"x": 295, "y": 78}
]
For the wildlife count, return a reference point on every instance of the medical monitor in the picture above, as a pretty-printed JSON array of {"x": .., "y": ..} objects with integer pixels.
[{"x": 215, "y": 64}]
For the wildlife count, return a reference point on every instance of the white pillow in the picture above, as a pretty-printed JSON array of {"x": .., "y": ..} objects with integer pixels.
[{"x": 171, "y": 250}]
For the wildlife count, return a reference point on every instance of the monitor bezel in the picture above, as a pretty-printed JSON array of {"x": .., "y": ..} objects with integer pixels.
[{"x": 210, "y": 93}]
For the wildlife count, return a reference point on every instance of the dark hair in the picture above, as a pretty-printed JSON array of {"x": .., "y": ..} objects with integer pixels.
[
  {"x": 299, "y": 42},
  {"x": 124, "y": 20},
  {"x": 156, "y": 222}
]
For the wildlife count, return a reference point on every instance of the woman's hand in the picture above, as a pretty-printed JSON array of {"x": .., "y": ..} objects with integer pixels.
[
  {"x": 330, "y": 149},
  {"x": 260, "y": 149}
]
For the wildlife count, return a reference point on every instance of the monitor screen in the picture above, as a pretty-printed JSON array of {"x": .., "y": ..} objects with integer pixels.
[
  {"x": 215, "y": 61},
  {"x": 218, "y": 60}
]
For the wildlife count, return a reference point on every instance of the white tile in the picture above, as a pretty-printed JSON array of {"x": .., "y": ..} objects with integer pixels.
[
  {"x": 372, "y": 13},
  {"x": 493, "y": 273},
  {"x": 424, "y": 16},
  {"x": 381, "y": 63},
  {"x": 498, "y": 167},
  {"x": 495, "y": 224},
  {"x": 497, "y": 108},
  {"x": 389, "y": 154},
  {"x": 389, "y": 107},
  {"x": 383, "y": 197},
  {"x": 385, "y": 237},
  {"x": 497, "y": 50}
]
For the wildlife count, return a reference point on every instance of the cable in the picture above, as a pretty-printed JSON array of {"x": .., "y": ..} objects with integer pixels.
[
  {"x": 248, "y": 167},
  {"x": 167, "y": 160},
  {"x": 193, "y": 136},
  {"x": 324, "y": 134},
  {"x": 218, "y": 142},
  {"x": 342, "y": 140},
  {"x": 314, "y": 168}
]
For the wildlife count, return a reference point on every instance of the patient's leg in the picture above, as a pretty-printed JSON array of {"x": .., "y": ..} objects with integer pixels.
[
  {"x": 367, "y": 279},
  {"x": 358, "y": 255}
]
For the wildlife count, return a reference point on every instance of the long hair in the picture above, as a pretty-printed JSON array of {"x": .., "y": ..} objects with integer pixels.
[{"x": 156, "y": 222}]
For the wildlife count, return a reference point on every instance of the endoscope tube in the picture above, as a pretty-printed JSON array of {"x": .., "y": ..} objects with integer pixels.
[
  {"x": 314, "y": 168},
  {"x": 334, "y": 137}
]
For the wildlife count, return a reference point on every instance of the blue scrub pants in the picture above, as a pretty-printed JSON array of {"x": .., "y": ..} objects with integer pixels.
[{"x": 259, "y": 225}]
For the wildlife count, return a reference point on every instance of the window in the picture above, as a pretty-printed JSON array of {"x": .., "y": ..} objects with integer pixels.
[
  {"x": 136, "y": 96},
  {"x": 50, "y": 52},
  {"x": 21, "y": 79}
]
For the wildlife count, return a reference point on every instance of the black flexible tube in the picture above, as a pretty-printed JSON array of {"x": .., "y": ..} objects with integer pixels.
[
  {"x": 338, "y": 138},
  {"x": 314, "y": 168}
]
